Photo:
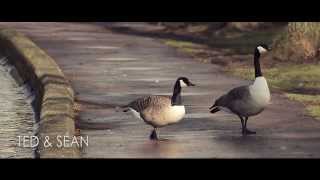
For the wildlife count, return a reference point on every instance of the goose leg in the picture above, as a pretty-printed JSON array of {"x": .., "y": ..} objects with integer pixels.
[
  {"x": 242, "y": 125},
  {"x": 245, "y": 125},
  {"x": 153, "y": 135}
]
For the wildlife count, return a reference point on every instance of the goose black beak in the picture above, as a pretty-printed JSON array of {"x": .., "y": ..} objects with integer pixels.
[{"x": 191, "y": 84}]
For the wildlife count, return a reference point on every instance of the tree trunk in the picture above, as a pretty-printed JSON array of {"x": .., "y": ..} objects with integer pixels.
[{"x": 300, "y": 42}]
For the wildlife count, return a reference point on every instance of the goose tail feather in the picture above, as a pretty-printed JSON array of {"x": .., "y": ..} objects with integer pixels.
[
  {"x": 122, "y": 108},
  {"x": 214, "y": 110}
]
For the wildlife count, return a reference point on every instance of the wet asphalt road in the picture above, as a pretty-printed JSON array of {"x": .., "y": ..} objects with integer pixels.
[{"x": 107, "y": 69}]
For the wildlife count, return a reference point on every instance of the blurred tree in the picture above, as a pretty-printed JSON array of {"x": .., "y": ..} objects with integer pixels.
[
  {"x": 173, "y": 25},
  {"x": 299, "y": 42}
]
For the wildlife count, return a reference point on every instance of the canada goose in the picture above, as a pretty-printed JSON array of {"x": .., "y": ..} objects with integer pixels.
[
  {"x": 246, "y": 101},
  {"x": 160, "y": 110}
]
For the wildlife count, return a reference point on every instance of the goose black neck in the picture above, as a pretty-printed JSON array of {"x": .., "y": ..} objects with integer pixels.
[
  {"x": 176, "y": 97},
  {"x": 257, "y": 68}
]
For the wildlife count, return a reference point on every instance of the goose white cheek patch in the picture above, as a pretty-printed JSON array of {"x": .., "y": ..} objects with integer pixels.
[
  {"x": 261, "y": 49},
  {"x": 182, "y": 83}
]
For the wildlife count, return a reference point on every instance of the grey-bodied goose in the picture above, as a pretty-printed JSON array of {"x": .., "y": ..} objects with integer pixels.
[
  {"x": 160, "y": 110},
  {"x": 246, "y": 101}
]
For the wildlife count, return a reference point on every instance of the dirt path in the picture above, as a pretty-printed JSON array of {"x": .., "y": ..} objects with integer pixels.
[{"x": 108, "y": 69}]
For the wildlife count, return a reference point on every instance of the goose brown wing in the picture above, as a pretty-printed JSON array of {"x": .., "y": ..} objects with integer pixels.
[{"x": 143, "y": 103}]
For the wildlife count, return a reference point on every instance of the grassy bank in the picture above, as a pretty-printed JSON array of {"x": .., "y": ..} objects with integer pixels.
[{"x": 299, "y": 82}]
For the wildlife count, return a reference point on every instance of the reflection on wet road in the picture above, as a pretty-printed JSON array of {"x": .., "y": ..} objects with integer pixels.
[
  {"x": 16, "y": 116},
  {"x": 108, "y": 68}
]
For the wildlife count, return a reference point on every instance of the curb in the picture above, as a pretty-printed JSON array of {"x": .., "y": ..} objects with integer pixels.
[{"x": 54, "y": 96}]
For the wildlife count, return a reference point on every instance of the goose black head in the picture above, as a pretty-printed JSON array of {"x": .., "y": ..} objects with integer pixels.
[
  {"x": 262, "y": 48},
  {"x": 184, "y": 82}
]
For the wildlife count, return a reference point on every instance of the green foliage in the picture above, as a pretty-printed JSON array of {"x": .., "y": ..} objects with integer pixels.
[
  {"x": 312, "y": 103},
  {"x": 302, "y": 78},
  {"x": 287, "y": 78},
  {"x": 296, "y": 43}
]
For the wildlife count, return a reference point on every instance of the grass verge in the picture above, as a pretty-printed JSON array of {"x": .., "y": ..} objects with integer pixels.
[{"x": 299, "y": 82}]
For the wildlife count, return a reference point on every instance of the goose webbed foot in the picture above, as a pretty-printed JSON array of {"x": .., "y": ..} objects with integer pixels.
[{"x": 247, "y": 132}]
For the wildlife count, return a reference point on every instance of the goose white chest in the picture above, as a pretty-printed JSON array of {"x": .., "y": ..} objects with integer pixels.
[
  {"x": 169, "y": 115},
  {"x": 174, "y": 114},
  {"x": 259, "y": 91}
]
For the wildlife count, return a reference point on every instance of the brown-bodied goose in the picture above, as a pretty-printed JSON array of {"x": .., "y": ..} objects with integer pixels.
[
  {"x": 246, "y": 101},
  {"x": 160, "y": 110}
]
